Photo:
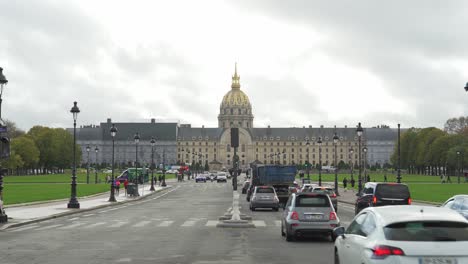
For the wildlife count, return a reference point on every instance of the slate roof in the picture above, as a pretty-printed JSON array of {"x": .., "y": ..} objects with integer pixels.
[
  {"x": 187, "y": 133},
  {"x": 301, "y": 133},
  {"x": 87, "y": 133},
  {"x": 382, "y": 134},
  {"x": 126, "y": 131}
]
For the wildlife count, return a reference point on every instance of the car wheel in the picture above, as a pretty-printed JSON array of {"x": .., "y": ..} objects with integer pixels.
[
  {"x": 337, "y": 259},
  {"x": 276, "y": 209},
  {"x": 282, "y": 231},
  {"x": 289, "y": 237}
]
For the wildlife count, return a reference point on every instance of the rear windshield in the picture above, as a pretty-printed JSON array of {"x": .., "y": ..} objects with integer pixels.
[
  {"x": 398, "y": 191},
  {"x": 264, "y": 190},
  {"x": 427, "y": 231},
  {"x": 312, "y": 201}
]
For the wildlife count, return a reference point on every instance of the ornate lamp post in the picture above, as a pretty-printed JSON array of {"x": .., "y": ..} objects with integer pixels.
[
  {"x": 3, "y": 81},
  {"x": 351, "y": 151},
  {"x": 319, "y": 143},
  {"x": 88, "y": 149},
  {"x": 335, "y": 142},
  {"x": 399, "y": 157},
  {"x": 365, "y": 163},
  {"x": 163, "y": 184},
  {"x": 73, "y": 203},
  {"x": 113, "y": 132},
  {"x": 359, "y": 131},
  {"x": 137, "y": 140},
  {"x": 458, "y": 166},
  {"x": 466, "y": 87},
  {"x": 153, "y": 143},
  {"x": 96, "y": 165},
  {"x": 308, "y": 163}
]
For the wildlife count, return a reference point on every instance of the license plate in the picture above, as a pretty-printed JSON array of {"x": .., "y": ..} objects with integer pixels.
[
  {"x": 437, "y": 260},
  {"x": 313, "y": 217}
]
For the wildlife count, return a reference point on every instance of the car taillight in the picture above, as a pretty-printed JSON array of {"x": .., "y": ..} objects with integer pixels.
[
  {"x": 374, "y": 200},
  {"x": 332, "y": 216},
  {"x": 294, "y": 215},
  {"x": 381, "y": 251},
  {"x": 333, "y": 195},
  {"x": 409, "y": 200}
]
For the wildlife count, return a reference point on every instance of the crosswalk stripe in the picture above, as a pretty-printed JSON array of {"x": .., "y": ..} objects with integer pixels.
[
  {"x": 259, "y": 223},
  {"x": 166, "y": 223},
  {"x": 24, "y": 228},
  {"x": 94, "y": 225},
  {"x": 212, "y": 223},
  {"x": 71, "y": 226},
  {"x": 142, "y": 223},
  {"x": 189, "y": 223},
  {"x": 118, "y": 224},
  {"x": 48, "y": 227}
]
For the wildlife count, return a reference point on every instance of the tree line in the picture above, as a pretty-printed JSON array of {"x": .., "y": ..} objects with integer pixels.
[
  {"x": 432, "y": 151},
  {"x": 40, "y": 150}
]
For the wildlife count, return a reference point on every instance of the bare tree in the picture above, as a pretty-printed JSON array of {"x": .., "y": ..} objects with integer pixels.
[{"x": 456, "y": 125}]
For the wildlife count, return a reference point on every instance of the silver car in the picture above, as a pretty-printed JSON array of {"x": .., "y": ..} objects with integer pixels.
[
  {"x": 308, "y": 213},
  {"x": 264, "y": 197}
]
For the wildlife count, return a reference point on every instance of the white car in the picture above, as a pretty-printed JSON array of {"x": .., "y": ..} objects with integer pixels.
[
  {"x": 403, "y": 234},
  {"x": 221, "y": 177}
]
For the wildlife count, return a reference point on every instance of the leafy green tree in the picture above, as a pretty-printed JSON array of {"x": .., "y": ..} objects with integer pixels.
[
  {"x": 13, "y": 162},
  {"x": 13, "y": 130},
  {"x": 26, "y": 148}
]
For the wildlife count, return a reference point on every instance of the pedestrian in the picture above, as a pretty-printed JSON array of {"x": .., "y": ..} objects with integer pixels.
[
  {"x": 385, "y": 178},
  {"x": 126, "y": 186},
  {"x": 117, "y": 186},
  {"x": 368, "y": 178},
  {"x": 108, "y": 179},
  {"x": 352, "y": 182},
  {"x": 160, "y": 179},
  {"x": 345, "y": 183}
]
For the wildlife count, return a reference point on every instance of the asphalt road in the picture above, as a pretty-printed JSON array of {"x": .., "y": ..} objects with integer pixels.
[{"x": 176, "y": 226}]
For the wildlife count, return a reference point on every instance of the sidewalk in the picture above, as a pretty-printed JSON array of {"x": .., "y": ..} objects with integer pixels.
[{"x": 24, "y": 214}]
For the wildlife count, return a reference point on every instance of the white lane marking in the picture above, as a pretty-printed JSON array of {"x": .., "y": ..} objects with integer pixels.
[
  {"x": 259, "y": 223},
  {"x": 48, "y": 227},
  {"x": 277, "y": 222},
  {"x": 189, "y": 223},
  {"x": 118, "y": 224},
  {"x": 166, "y": 223},
  {"x": 141, "y": 224},
  {"x": 94, "y": 225},
  {"x": 88, "y": 215},
  {"x": 24, "y": 228},
  {"x": 212, "y": 223},
  {"x": 74, "y": 225},
  {"x": 73, "y": 219}
]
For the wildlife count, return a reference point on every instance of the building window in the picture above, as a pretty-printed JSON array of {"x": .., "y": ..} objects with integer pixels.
[
  {"x": 243, "y": 148},
  {"x": 247, "y": 124},
  {"x": 243, "y": 162},
  {"x": 214, "y": 156},
  {"x": 256, "y": 156},
  {"x": 228, "y": 148},
  {"x": 229, "y": 162},
  {"x": 232, "y": 111}
]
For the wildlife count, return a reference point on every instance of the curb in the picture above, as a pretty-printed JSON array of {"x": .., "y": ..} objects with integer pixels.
[{"x": 77, "y": 211}]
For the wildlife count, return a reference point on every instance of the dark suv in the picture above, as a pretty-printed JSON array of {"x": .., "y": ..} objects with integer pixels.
[{"x": 381, "y": 194}]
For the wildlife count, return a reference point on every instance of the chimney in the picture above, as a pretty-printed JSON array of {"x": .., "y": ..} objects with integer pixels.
[
  {"x": 109, "y": 120},
  {"x": 153, "y": 120}
]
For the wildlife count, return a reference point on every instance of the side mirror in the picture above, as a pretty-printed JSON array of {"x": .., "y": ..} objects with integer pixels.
[{"x": 338, "y": 231}]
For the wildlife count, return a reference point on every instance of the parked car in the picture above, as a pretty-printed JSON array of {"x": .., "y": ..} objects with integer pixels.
[
  {"x": 221, "y": 177},
  {"x": 403, "y": 234},
  {"x": 458, "y": 203},
  {"x": 327, "y": 190},
  {"x": 200, "y": 178},
  {"x": 264, "y": 197},
  {"x": 381, "y": 194},
  {"x": 308, "y": 213},
  {"x": 245, "y": 186}
]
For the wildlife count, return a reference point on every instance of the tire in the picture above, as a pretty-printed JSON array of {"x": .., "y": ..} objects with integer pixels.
[
  {"x": 275, "y": 209},
  {"x": 337, "y": 259},
  {"x": 289, "y": 237}
]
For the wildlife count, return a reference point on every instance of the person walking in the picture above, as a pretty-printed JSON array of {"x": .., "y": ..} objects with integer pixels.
[
  {"x": 345, "y": 183},
  {"x": 385, "y": 178},
  {"x": 352, "y": 182},
  {"x": 160, "y": 179},
  {"x": 126, "y": 186},
  {"x": 117, "y": 186}
]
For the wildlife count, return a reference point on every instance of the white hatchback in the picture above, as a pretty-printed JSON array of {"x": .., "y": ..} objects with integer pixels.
[{"x": 403, "y": 234}]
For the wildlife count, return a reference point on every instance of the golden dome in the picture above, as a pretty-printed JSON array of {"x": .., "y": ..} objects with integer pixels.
[{"x": 235, "y": 97}]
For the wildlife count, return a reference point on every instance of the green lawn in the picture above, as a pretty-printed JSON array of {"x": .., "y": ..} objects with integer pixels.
[
  {"x": 436, "y": 192},
  {"x": 379, "y": 177},
  {"x": 23, "y": 193},
  {"x": 63, "y": 178}
]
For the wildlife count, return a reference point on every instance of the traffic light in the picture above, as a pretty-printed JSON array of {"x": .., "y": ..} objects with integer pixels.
[{"x": 4, "y": 143}]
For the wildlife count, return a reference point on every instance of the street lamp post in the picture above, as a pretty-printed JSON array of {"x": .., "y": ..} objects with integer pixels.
[
  {"x": 113, "y": 132},
  {"x": 96, "y": 165},
  {"x": 365, "y": 163},
  {"x": 163, "y": 184},
  {"x": 351, "y": 151},
  {"x": 359, "y": 131},
  {"x": 153, "y": 143},
  {"x": 399, "y": 157},
  {"x": 319, "y": 143},
  {"x": 88, "y": 149},
  {"x": 73, "y": 203},
  {"x": 137, "y": 140},
  {"x": 458, "y": 166},
  {"x": 335, "y": 142},
  {"x": 308, "y": 163},
  {"x": 3, "y": 81}
]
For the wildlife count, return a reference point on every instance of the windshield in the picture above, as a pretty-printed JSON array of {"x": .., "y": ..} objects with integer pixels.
[
  {"x": 398, "y": 191},
  {"x": 312, "y": 201},
  {"x": 427, "y": 231}
]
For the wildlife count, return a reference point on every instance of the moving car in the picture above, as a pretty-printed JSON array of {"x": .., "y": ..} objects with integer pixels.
[
  {"x": 381, "y": 194},
  {"x": 264, "y": 197},
  {"x": 458, "y": 203},
  {"x": 221, "y": 177},
  {"x": 403, "y": 234},
  {"x": 308, "y": 213},
  {"x": 200, "y": 178},
  {"x": 245, "y": 186},
  {"x": 327, "y": 190}
]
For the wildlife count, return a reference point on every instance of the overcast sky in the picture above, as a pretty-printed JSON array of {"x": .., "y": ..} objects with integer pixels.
[{"x": 301, "y": 62}]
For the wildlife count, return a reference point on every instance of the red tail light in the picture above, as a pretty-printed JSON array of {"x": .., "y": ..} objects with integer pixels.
[
  {"x": 332, "y": 216},
  {"x": 294, "y": 215},
  {"x": 409, "y": 200},
  {"x": 333, "y": 195},
  {"x": 374, "y": 200},
  {"x": 384, "y": 251}
]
